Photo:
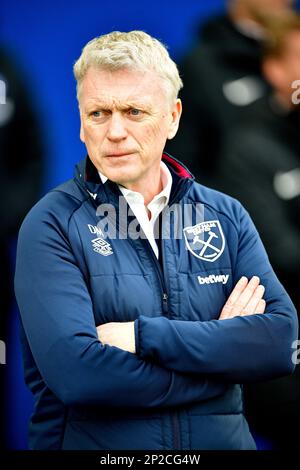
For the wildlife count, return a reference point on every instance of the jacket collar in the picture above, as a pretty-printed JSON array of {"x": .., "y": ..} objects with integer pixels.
[{"x": 87, "y": 176}]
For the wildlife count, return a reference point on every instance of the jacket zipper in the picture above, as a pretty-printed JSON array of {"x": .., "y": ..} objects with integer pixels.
[
  {"x": 161, "y": 274},
  {"x": 176, "y": 430},
  {"x": 174, "y": 415}
]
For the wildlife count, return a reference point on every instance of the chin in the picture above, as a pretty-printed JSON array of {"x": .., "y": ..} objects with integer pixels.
[
  {"x": 124, "y": 174},
  {"x": 122, "y": 177}
]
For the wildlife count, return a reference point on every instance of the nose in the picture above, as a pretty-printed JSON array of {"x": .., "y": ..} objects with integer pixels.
[{"x": 116, "y": 128}]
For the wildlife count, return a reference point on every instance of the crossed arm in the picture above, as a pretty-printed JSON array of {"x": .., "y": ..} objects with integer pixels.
[
  {"x": 78, "y": 368},
  {"x": 58, "y": 319},
  {"x": 244, "y": 344},
  {"x": 245, "y": 299},
  {"x": 255, "y": 341}
]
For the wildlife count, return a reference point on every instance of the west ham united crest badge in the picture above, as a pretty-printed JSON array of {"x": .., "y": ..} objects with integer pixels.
[{"x": 205, "y": 240}]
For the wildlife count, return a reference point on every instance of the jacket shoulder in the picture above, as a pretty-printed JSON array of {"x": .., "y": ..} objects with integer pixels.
[
  {"x": 57, "y": 207},
  {"x": 217, "y": 201}
]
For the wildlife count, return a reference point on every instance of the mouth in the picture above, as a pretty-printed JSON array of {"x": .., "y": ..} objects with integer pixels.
[{"x": 119, "y": 155}]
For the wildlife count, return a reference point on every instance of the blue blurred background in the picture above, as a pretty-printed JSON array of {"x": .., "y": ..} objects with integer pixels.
[{"x": 46, "y": 38}]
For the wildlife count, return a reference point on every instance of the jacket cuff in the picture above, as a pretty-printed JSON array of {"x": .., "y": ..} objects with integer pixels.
[{"x": 137, "y": 336}]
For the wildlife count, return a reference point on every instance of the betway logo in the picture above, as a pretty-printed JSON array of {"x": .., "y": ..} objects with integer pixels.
[{"x": 212, "y": 279}]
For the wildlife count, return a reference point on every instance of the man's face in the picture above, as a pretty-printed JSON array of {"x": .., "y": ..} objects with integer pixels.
[
  {"x": 290, "y": 61},
  {"x": 268, "y": 7},
  {"x": 126, "y": 119},
  {"x": 282, "y": 71}
]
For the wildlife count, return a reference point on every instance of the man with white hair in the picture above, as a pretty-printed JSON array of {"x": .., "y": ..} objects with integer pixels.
[{"x": 146, "y": 299}]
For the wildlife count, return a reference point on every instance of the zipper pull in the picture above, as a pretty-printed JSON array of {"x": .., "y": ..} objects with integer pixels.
[{"x": 165, "y": 302}]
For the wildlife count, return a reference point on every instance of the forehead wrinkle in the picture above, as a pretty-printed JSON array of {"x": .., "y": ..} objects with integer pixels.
[
  {"x": 134, "y": 97},
  {"x": 115, "y": 103}
]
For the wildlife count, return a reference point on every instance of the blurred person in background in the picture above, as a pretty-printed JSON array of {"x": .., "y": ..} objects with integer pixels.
[
  {"x": 260, "y": 165},
  {"x": 222, "y": 76},
  {"x": 20, "y": 175}
]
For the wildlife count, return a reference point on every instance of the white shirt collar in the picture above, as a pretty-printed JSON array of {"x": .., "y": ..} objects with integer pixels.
[
  {"x": 134, "y": 196},
  {"x": 135, "y": 201}
]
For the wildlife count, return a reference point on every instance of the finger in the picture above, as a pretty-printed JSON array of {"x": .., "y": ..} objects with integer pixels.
[
  {"x": 100, "y": 332},
  {"x": 235, "y": 294},
  {"x": 252, "y": 305},
  {"x": 105, "y": 332},
  {"x": 245, "y": 296},
  {"x": 261, "y": 306}
]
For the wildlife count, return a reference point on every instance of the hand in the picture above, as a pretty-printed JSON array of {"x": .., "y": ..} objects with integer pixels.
[
  {"x": 245, "y": 299},
  {"x": 119, "y": 334}
]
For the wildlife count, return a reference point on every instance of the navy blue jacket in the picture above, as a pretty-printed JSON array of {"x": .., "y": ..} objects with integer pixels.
[{"x": 182, "y": 389}]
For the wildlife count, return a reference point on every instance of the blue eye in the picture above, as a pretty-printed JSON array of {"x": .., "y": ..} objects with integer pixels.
[
  {"x": 96, "y": 113},
  {"x": 135, "y": 112}
]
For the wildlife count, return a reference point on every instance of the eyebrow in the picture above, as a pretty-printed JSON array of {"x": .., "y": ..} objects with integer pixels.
[{"x": 121, "y": 107}]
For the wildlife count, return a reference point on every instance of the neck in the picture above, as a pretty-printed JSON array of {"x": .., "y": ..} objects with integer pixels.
[
  {"x": 284, "y": 100},
  {"x": 148, "y": 187}
]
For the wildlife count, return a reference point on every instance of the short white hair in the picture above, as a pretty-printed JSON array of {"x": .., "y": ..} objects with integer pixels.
[{"x": 133, "y": 50}]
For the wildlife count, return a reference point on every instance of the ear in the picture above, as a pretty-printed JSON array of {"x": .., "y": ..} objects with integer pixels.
[
  {"x": 81, "y": 130},
  {"x": 176, "y": 113}
]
